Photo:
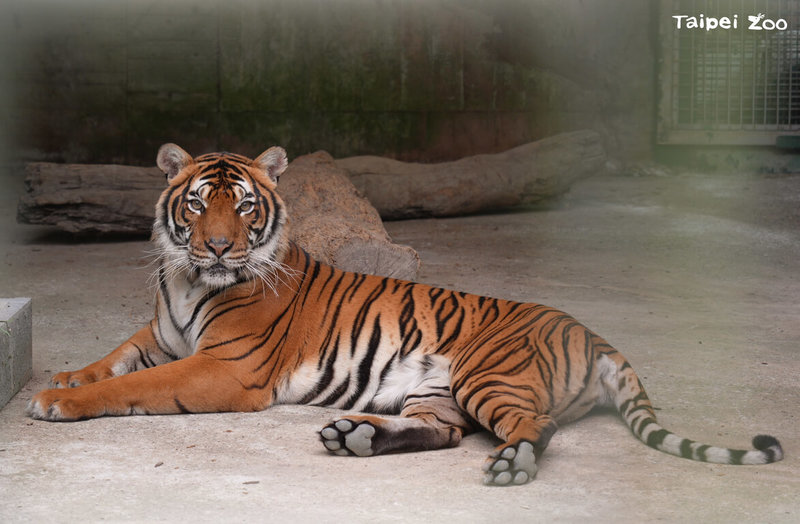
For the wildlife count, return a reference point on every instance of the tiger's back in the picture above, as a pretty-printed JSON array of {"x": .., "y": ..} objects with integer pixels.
[
  {"x": 246, "y": 319},
  {"x": 355, "y": 335}
]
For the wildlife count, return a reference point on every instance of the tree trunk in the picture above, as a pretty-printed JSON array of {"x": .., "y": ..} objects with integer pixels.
[{"x": 524, "y": 175}]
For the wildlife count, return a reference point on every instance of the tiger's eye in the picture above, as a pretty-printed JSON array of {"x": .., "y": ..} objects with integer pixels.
[
  {"x": 195, "y": 204},
  {"x": 246, "y": 206}
]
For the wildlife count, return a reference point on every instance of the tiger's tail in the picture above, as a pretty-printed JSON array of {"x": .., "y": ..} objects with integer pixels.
[{"x": 628, "y": 395}]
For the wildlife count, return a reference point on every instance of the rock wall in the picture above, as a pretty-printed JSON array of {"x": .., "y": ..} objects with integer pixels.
[{"x": 92, "y": 81}]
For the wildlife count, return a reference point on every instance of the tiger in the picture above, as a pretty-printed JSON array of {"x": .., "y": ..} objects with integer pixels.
[{"x": 245, "y": 319}]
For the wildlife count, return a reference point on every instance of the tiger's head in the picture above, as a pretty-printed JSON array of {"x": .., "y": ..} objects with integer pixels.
[{"x": 220, "y": 219}]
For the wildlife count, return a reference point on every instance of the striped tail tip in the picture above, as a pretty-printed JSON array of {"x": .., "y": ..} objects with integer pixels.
[
  {"x": 767, "y": 448},
  {"x": 770, "y": 447}
]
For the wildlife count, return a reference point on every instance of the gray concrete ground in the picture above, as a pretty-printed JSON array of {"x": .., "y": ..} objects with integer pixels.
[{"x": 693, "y": 277}]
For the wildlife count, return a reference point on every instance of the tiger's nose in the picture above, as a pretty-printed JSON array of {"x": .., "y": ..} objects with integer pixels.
[{"x": 219, "y": 245}]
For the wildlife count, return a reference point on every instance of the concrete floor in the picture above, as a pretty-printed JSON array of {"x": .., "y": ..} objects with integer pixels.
[{"x": 693, "y": 277}]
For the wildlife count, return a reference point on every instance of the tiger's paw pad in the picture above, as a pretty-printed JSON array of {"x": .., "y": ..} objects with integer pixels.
[
  {"x": 346, "y": 437},
  {"x": 512, "y": 465}
]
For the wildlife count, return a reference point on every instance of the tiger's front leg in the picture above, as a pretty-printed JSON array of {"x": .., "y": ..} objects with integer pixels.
[
  {"x": 138, "y": 352},
  {"x": 196, "y": 384}
]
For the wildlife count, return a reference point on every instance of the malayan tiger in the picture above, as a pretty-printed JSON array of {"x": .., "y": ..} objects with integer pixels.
[{"x": 246, "y": 319}]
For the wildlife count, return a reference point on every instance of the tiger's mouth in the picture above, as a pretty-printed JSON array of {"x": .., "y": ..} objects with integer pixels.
[
  {"x": 218, "y": 275},
  {"x": 218, "y": 268}
]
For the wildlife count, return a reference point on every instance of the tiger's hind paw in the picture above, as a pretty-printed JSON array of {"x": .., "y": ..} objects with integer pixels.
[
  {"x": 512, "y": 464},
  {"x": 347, "y": 437}
]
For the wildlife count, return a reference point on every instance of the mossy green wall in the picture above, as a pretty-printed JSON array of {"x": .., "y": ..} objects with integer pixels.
[{"x": 109, "y": 81}]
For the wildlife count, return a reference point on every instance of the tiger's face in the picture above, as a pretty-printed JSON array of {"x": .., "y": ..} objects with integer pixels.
[{"x": 220, "y": 219}]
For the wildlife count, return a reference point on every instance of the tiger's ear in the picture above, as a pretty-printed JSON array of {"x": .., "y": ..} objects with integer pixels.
[
  {"x": 273, "y": 162},
  {"x": 171, "y": 159}
]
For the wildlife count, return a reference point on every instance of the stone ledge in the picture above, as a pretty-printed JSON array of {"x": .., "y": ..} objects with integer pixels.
[{"x": 16, "y": 346}]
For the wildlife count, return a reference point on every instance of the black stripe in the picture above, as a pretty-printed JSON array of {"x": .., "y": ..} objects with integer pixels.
[
  {"x": 363, "y": 312},
  {"x": 365, "y": 366},
  {"x": 686, "y": 448},
  {"x": 492, "y": 310},
  {"x": 388, "y": 410},
  {"x": 181, "y": 407},
  {"x": 428, "y": 395},
  {"x": 144, "y": 357},
  {"x": 326, "y": 378},
  {"x": 442, "y": 317},
  {"x": 354, "y": 286},
  {"x": 434, "y": 294},
  {"x": 642, "y": 396},
  {"x": 208, "y": 319},
  {"x": 226, "y": 342},
  {"x": 276, "y": 211},
  {"x": 736, "y": 456},
  {"x": 337, "y": 393},
  {"x": 311, "y": 278},
  {"x": 197, "y": 308}
]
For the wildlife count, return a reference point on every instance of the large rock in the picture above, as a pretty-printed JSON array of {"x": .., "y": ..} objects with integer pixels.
[
  {"x": 337, "y": 225},
  {"x": 523, "y": 175},
  {"x": 327, "y": 215}
]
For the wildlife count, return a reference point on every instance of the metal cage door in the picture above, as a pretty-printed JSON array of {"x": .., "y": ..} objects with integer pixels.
[{"x": 729, "y": 86}]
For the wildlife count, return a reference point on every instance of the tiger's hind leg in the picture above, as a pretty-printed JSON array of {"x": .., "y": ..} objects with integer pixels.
[
  {"x": 516, "y": 416},
  {"x": 514, "y": 462},
  {"x": 429, "y": 419}
]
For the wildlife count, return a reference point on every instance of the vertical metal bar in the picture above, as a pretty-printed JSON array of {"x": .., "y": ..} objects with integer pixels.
[
  {"x": 704, "y": 76},
  {"x": 789, "y": 58},
  {"x": 796, "y": 57},
  {"x": 676, "y": 70},
  {"x": 717, "y": 67},
  {"x": 743, "y": 52},
  {"x": 778, "y": 63},
  {"x": 753, "y": 83},
  {"x": 792, "y": 19},
  {"x": 780, "y": 89},
  {"x": 692, "y": 78},
  {"x": 768, "y": 64},
  {"x": 711, "y": 72},
  {"x": 728, "y": 74}
]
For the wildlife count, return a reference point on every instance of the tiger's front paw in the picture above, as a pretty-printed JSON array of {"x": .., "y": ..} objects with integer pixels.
[
  {"x": 347, "y": 437},
  {"x": 511, "y": 464},
  {"x": 73, "y": 379},
  {"x": 57, "y": 405}
]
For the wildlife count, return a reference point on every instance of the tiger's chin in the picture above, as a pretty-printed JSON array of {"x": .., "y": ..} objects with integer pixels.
[{"x": 218, "y": 276}]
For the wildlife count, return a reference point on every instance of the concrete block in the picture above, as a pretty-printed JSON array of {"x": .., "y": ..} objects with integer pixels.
[{"x": 16, "y": 346}]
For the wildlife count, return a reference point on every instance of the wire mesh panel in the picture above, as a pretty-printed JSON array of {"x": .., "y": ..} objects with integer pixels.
[{"x": 730, "y": 71}]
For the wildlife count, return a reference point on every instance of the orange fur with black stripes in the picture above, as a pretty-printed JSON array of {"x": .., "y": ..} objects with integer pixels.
[{"x": 246, "y": 319}]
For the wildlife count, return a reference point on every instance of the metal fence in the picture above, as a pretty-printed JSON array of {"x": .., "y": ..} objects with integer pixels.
[{"x": 733, "y": 83}]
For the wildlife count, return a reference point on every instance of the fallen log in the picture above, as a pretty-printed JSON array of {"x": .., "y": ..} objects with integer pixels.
[
  {"x": 527, "y": 174},
  {"x": 88, "y": 198},
  {"x": 327, "y": 215}
]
